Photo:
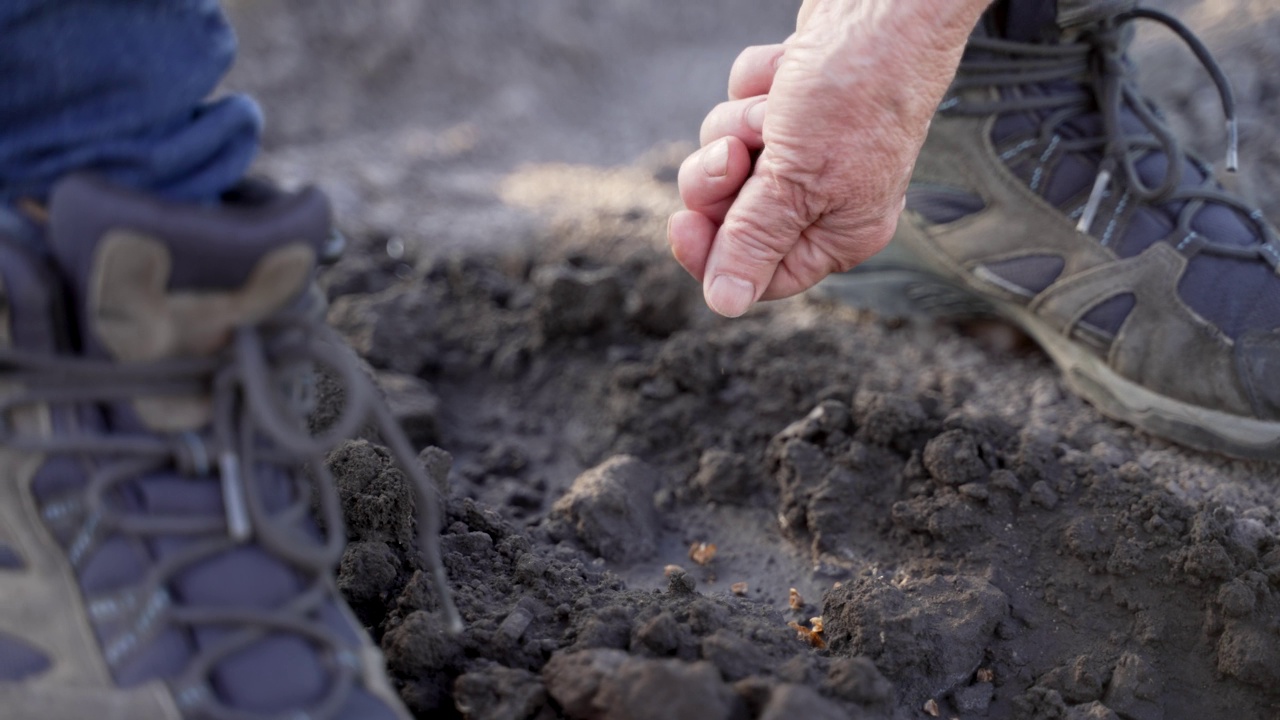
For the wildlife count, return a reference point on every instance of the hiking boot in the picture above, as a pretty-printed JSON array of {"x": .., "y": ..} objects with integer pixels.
[
  {"x": 1051, "y": 193},
  {"x": 159, "y": 556}
]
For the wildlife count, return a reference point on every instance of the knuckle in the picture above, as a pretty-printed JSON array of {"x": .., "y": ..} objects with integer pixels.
[
  {"x": 756, "y": 242},
  {"x": 799, "y": 166},
  {"x": 799, "y": 187},
  {"x": 854, "y": 248}
]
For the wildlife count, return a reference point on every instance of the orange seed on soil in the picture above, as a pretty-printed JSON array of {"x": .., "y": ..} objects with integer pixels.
[
  {"x": 702, "y": 553},
  {"x": 807, "y": 635}
]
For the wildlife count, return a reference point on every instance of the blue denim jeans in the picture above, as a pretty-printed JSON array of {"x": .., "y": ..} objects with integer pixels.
[{"x": 120, "y": 87}]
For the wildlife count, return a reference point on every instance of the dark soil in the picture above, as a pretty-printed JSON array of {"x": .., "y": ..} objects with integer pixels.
[
  {"x": 993, "y": 569},
  {"x": 976, "y": 541}
]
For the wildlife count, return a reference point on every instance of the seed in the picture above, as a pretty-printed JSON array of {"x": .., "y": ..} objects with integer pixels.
[
  {"x": 702, "y": 553},
  {"x": 809, "y": 636}
]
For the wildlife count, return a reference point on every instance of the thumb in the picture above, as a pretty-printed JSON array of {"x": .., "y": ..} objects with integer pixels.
[{"x": 763, "y": 225}]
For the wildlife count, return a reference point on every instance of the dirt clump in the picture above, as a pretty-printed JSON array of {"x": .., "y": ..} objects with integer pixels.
[
  {"x": 933, "y": 631},
  {"x": 609, "y": 509}
]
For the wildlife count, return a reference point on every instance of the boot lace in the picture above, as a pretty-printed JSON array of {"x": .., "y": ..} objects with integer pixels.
[
  {"x": 256, "y": 426},
  {"x": 1104, "y": 85}
]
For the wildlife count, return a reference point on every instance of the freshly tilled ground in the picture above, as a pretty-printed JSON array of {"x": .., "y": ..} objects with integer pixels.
[{"x": 976, "y": 541}]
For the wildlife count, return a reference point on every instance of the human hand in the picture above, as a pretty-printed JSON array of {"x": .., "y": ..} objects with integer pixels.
[{"x": 838, "y": 112}]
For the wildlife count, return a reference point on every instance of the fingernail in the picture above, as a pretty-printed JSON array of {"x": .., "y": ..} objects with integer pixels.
[
  {"x": 730, "y": 296},
  {"x": 755, "y": 116},
  {"x": 715, "y": 161}
]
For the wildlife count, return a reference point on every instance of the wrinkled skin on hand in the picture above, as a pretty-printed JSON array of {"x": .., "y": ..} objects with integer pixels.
[{"x": 838, "y": 113}]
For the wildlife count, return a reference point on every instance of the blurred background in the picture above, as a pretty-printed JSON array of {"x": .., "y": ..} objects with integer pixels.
[
  {"x": 438, "y": 121},
  {"x": 582, "y": 80}
]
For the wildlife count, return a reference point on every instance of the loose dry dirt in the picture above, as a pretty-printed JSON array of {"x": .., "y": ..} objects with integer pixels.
[{"x": 976, "y": 541}]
